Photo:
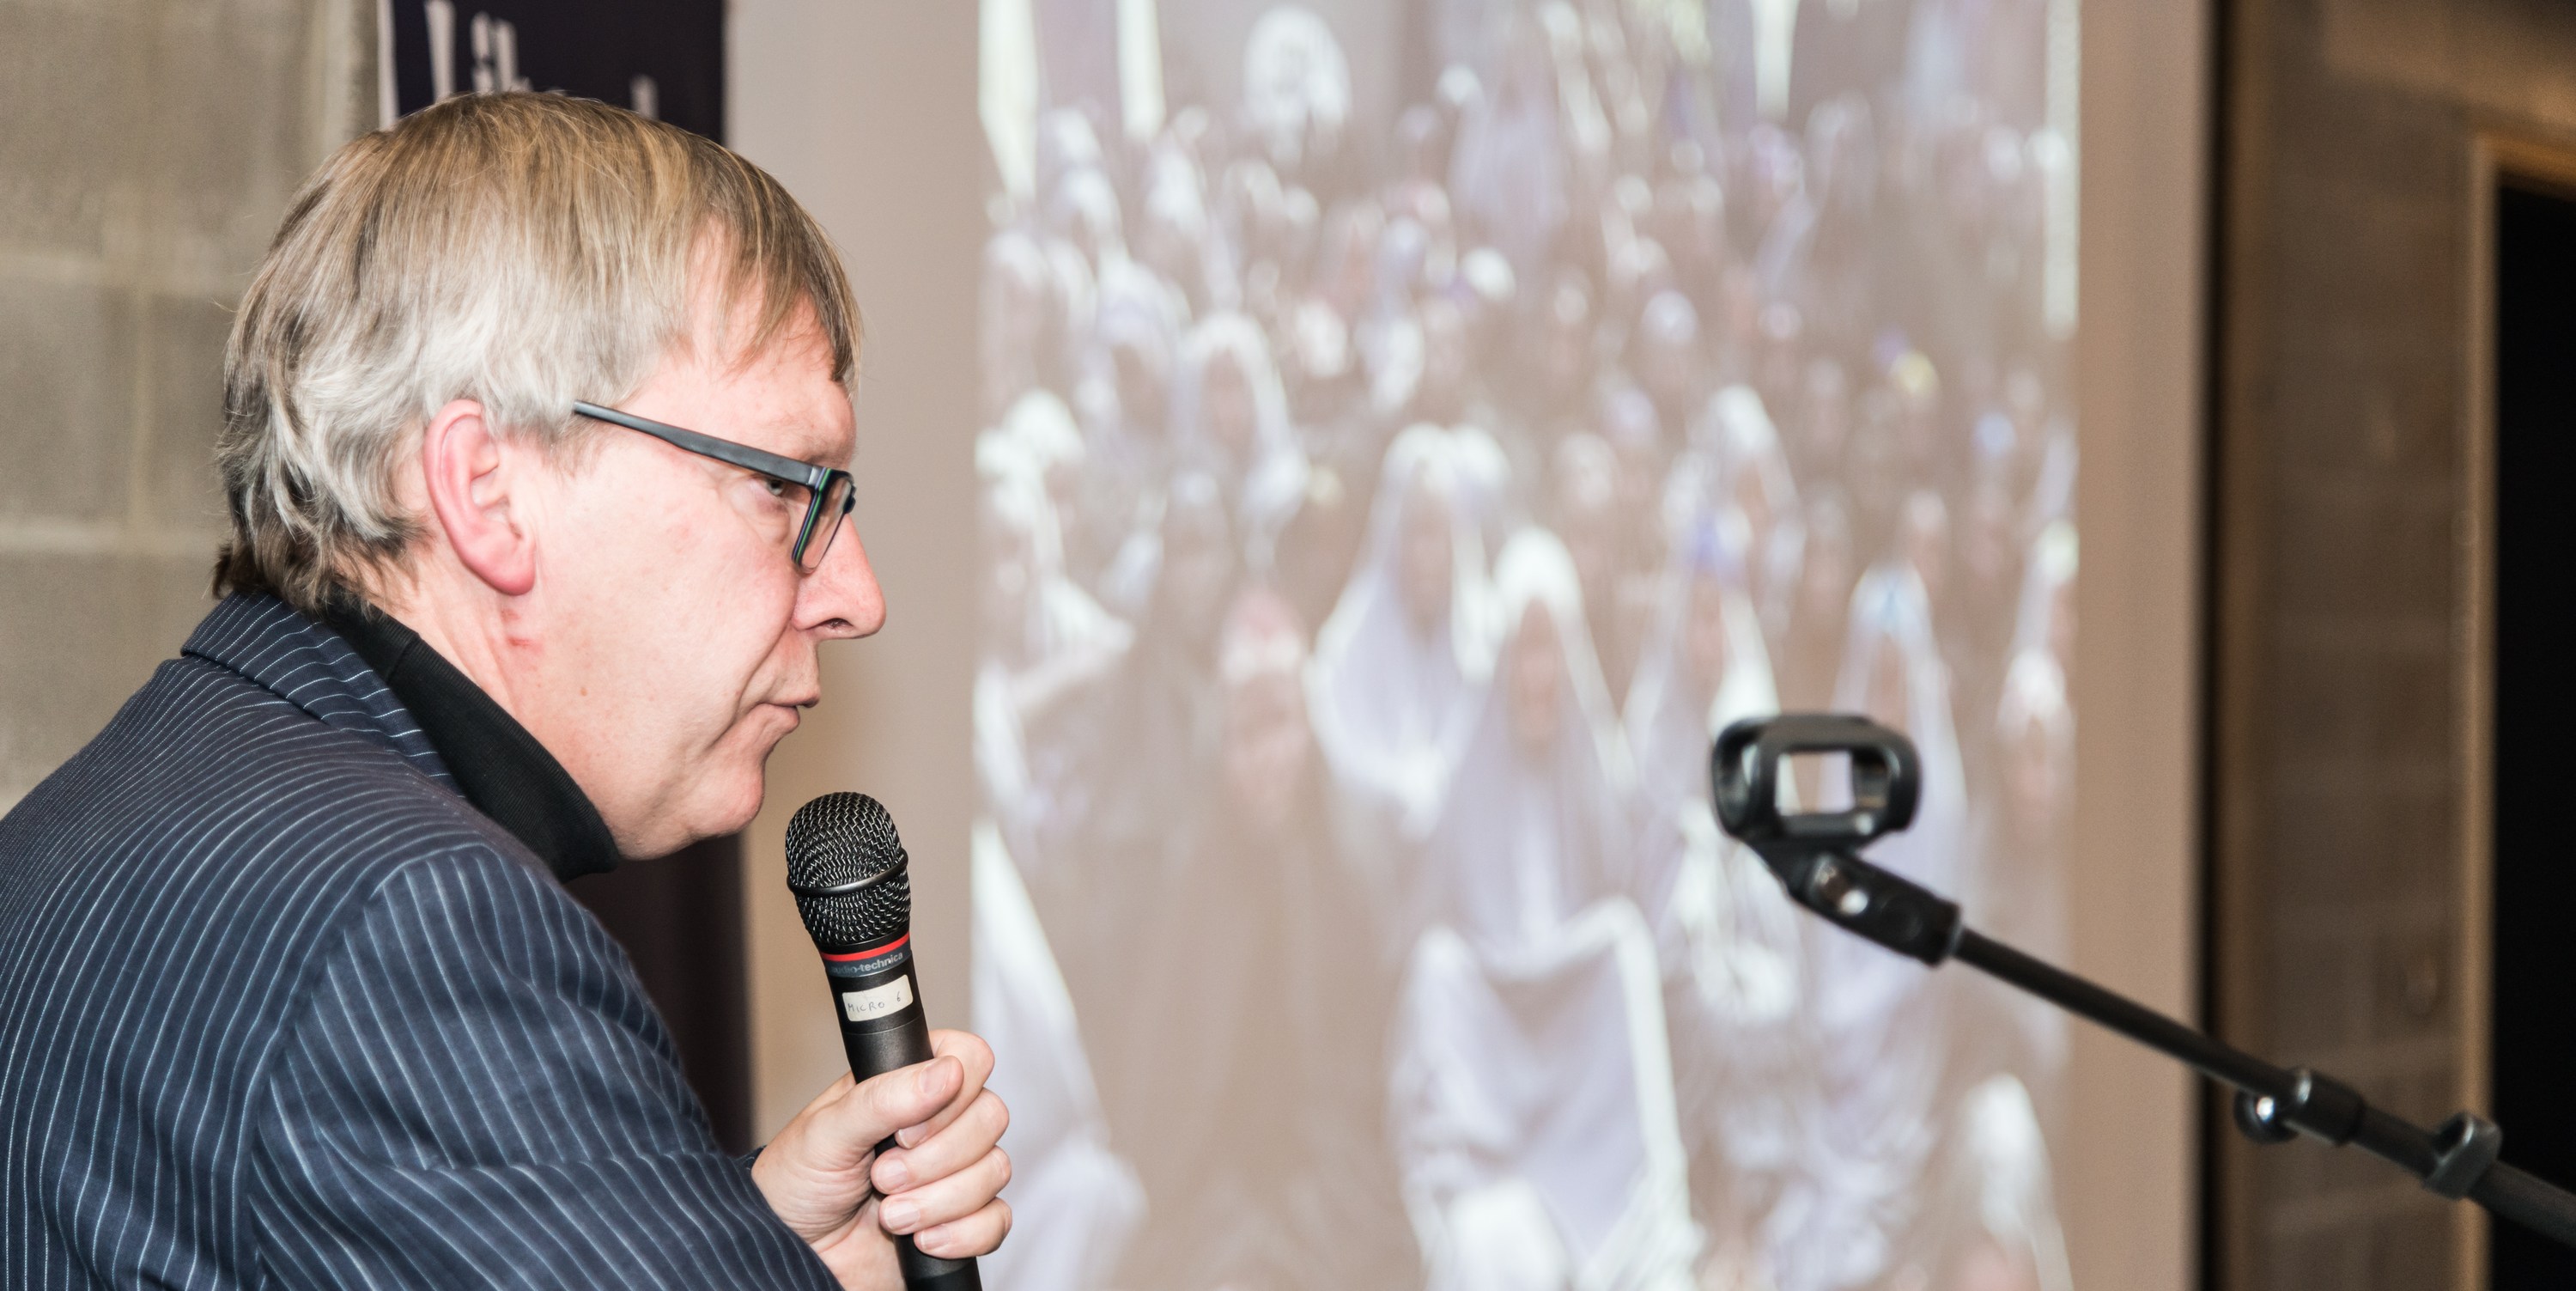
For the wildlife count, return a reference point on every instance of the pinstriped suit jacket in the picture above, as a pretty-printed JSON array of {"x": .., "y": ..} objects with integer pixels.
[{"x": 278, "y": 1008}]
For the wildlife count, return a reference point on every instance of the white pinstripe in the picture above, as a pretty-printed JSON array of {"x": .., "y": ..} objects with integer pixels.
[{"x": 278, "y": 1008}]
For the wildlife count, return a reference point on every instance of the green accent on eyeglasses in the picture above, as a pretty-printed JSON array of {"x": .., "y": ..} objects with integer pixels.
[{"x": 829, "y": 493}]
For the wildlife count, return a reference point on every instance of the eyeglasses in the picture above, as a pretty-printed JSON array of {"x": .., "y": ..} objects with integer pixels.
[{"x": 827, "y": 494}]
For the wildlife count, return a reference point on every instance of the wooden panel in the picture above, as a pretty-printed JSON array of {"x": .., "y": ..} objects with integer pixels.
[{"x": 680, "y": 919}]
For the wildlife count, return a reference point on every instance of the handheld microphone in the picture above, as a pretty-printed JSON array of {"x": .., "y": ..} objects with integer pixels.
[{"x": 846, "y": 867}]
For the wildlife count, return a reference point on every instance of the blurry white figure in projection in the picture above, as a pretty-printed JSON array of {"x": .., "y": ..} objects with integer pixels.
[
  {"x": 1127, "y": 377},
  {"x": 2045, "y": 619},
  {"x": 1037, "y": 435},
  {"x": 1729, "y": 940},
  {"x": 1703, "y": 666},
  {"x": 1228, "y": 406},
  {"x": 1755, "y": 471},
  {"x": 1239, "y": 1015},
  {"x": 1396, "y": 665},
  {"x": 1880, "y": 1030},
  {"x": 1387, "y": 332},
  {"x": 1047, "y": 647},
  {"x": 1014, "y": 315},
  {"x": 1172, "y": 234},
  {"x": 1296, "y": 88},
  {"x": 1078, "y": 48},
  {"x": 2019, "y": 891},
  {"x": 1586, "y": 508},
  {"x": 1532, "y": 1097},
  {"x": 1508, "y": 171},
  {"x": 1485, "y": 476},
  {"x": 2052, "y": 495},
  {"x": 1999, "y": 1177},
  {"x": 1074, "y": 1202}
]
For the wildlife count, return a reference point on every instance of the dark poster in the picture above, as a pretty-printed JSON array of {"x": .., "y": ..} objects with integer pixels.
[
  {"x": 680, "y": 917},
  {"x": 663, "y": 58}
]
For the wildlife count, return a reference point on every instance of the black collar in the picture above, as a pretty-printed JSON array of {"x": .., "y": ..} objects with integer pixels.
[{"x": 499, "y": 767}]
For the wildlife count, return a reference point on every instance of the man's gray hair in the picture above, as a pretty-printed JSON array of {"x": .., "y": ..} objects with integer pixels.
[{"x": 521, "y": 250}]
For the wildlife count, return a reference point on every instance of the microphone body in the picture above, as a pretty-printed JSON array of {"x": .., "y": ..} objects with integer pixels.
[
  {"x": 846, "y": 867},
  {"x": 883, "y": 1027}
]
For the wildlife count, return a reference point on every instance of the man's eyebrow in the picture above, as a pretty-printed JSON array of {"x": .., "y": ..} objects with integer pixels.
[
  {"x": 817, "y": 447},
  {"x": 840, "y": 457}
]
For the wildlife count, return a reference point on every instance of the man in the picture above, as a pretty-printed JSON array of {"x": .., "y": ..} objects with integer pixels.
[{"x": 289, "y": 991}]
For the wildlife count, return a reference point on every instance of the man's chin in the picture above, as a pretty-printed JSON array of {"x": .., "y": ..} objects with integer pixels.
[
  {"x": 718, "y": 803},
  {"x": 726, "y": 792},
  {"x": 731, "y": 811}
]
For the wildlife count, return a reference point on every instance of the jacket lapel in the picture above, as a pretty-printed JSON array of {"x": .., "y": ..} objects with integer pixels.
[{"x": 309, "y": 666}]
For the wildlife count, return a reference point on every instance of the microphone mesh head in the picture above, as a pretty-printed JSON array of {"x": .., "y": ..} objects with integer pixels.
[{"x": 843, "y": 838}]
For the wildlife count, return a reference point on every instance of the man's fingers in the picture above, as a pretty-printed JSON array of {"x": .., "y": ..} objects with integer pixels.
[
  {"x": 968, "y": 1048},
  {"x": 947, "y": 1200},
  {"x": 976, "y": 1058},
  {"x": 907, "y": 1096},
  {"x": 820, "y": 1174},
  {"x": 961, "y": 1143},
  {"x": 977, "y": 1234}
]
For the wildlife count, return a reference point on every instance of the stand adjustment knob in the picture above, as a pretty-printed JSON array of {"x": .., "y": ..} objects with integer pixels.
[
  {"x": 2317, "y": 1105},
  {"x": 2464, "y": 1149}
]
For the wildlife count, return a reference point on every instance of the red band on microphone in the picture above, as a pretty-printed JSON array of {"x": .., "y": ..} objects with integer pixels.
[{"x": 856, "y": 955}]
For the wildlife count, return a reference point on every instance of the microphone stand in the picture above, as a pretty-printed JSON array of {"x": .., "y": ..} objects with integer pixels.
[{"x": 1815, "y": 857}]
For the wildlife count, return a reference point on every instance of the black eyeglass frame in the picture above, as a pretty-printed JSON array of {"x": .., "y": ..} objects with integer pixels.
[{"x": 817, "y": 481}]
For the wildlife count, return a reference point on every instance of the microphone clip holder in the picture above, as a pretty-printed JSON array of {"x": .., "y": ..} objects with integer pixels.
[{"x": 1815, "y": 855}]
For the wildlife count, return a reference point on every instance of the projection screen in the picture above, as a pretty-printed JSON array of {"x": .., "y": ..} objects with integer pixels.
[{"x": 1412, "y": 431}]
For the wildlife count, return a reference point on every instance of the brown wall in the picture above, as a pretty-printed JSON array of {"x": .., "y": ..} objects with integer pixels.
[
  {"x": 2129, "y": 1164},
  {"x": 865, "y": 109},
  {"x": 2345, "y": 751},
  {"x": 147, "y": 149},
  {"x": 680, "y": 918}
]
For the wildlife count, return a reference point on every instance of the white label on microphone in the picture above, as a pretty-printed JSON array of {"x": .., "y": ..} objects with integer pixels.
[{"x": 877, "y": 1001}]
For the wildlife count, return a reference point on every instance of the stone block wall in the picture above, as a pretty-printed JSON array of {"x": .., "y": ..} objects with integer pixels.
[
  {"x": 148, "y": 151},
  {"x": 2340, "y": 766}
]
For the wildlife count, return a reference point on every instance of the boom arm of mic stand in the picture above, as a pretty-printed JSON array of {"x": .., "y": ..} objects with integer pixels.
[{"x": 2273, "y": 1104}]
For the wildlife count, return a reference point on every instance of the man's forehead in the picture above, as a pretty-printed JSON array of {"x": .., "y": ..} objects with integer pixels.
[
  {"x": 782, "y": 375},
  {"x": 826, "y": 435},
  {"x": 789, "y": 397}
]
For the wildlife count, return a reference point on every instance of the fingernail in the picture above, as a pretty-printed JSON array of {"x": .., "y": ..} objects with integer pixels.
[
  {"x": 893, "y": 1175},
  {"x": 900, "y": 1216},
  {"x": 931, "y": 1241},
  {"x": 933, "y": 1075}
]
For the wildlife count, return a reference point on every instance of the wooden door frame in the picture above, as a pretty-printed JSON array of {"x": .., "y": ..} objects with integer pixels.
[{"x": 2497, "y": 158}]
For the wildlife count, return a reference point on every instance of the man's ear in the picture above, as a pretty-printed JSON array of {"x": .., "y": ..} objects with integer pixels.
[{"x": 470, "y": 476}]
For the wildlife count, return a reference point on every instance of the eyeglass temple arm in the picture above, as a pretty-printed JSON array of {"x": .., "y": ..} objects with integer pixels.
[{"x": 723, "y": 450}]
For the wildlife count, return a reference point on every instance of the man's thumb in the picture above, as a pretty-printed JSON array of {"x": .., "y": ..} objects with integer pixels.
[{"x": 907, "y": 1096}]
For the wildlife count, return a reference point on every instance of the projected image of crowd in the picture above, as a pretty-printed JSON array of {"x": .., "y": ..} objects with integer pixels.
[{"x": 1384, "y": 504}]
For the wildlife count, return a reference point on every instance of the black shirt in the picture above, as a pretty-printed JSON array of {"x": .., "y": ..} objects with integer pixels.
[{"x": 499, "y": 767}]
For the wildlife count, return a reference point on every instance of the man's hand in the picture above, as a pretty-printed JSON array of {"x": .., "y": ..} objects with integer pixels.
[{"x": 940, "y": 1182}]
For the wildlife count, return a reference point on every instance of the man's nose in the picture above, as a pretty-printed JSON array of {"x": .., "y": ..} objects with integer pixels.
[{"x": 841, "y": 596}]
